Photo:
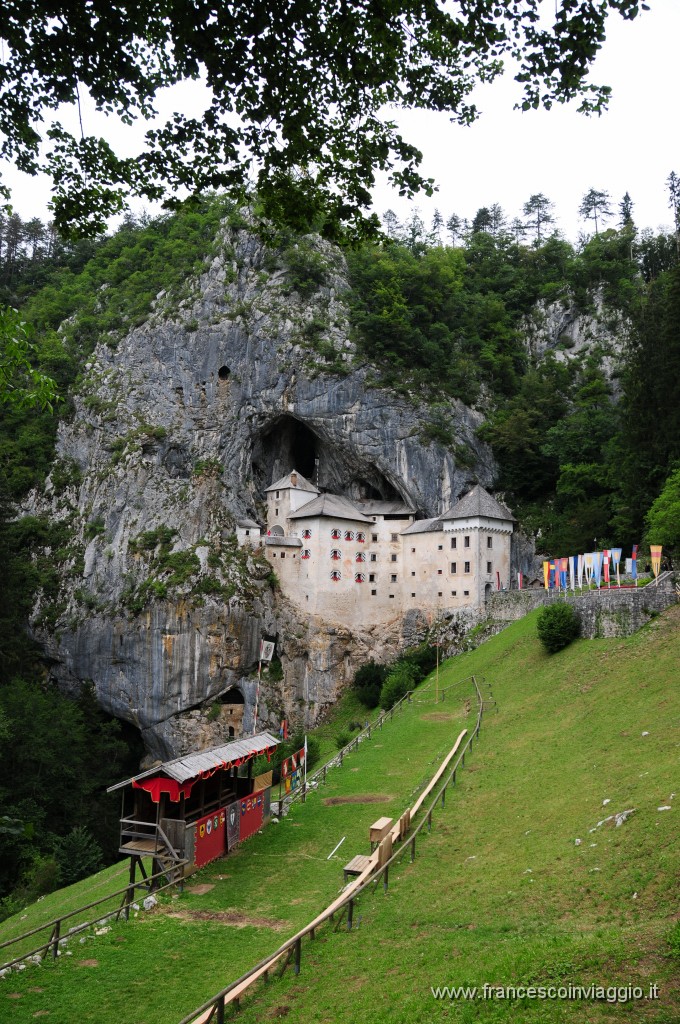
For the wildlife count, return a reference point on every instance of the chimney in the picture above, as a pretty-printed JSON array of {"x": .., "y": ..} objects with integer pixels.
[{"x": 293, "y": 479}]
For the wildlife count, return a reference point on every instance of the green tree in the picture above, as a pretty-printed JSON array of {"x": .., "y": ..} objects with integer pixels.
[
  {"x": 626, "y": 212},
  {"x": 21, "y": 384},
  {"x": 595, "y": 206},
  {"x": 538, "y": 213},
  {"x": 298, "y": 94},
  {"x": 663, "y": 518},
  {"x": 558, "y": 624}
]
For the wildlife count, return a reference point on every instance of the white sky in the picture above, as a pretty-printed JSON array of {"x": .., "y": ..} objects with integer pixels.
[{"x": 508, "y": 155}]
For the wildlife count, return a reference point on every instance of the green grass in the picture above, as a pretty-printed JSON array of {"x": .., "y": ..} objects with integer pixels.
[
  {"x": 500, "y": 892},
  {"x": 160, "y": 965}
]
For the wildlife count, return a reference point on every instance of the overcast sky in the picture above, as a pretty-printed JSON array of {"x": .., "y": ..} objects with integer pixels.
[{"x": 508, "y": 155}]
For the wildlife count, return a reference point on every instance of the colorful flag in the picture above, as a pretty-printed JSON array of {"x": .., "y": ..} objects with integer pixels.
[
  {"x": 605, "y": 564},
  {"x": 616, "y": 561},
  {"x": 546, "y": 574},
  {"x": 655, "y": 551},
  {"x": 588, "y": 560},
  {"x": 597, "y": 567},
  {"x": 633, "y": 561},
  {"x": 519, "y": 580},
  {"x": 579, "y": 571},
  {"x": 564, "y": 562}
]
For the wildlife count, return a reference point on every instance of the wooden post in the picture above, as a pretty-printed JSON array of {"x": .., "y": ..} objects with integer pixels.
[
  {"x": 413, "y": 849},
  {"x": 130, "y": 894},
  {"x": 453, "y": 777},
  {"x": 429, "y": 822},
  {"x": 369, "y": 732},
  {"x": 324, "y": 774},
  {"x": 55, "y": 939},
  {"x": 443, "y": 796},
  {"x": 219, "y": 1016},
  {"x": 298, "y": 955},
  {"x": 350, "y": 915},
  {"x": 386, "y": 879}
]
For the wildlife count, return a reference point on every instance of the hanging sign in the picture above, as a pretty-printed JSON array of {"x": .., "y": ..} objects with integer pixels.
[
  {"x": 233, "y": 823},
  {"x": 266, "y": 650},
  {"x": 655, "y": 552}
]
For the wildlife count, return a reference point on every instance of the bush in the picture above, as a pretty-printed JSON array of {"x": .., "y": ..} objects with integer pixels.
[
  {"x": 400, "y": 680},
  {"x": 78, "y": 855},
  {"x": 422, "y": 659},
  {"x": 368, "y": 682},
  {"x": 558, "y": 625},
  {"x": 342, "y": 739}
]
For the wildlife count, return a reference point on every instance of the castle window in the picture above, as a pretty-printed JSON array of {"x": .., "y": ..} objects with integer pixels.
[
  {"x": 440, "y": 547},
  {"x": 361, "y": 537},
  {"x": 454, "y": 542},
  {"x": 439, "y": 594},
  {"x": 374, "y": 558},
  {"x": 359, "y": 577},
  {"x": 283, "y": 554},
  {"x": 336, "y": 555},
  {"x": 394, "y": 537},
  {"x": 393, "y": 579},
  {"x": 454, "y": 568},
  {"x": 335, "y": 534},
  {"x": 391, "y": 597},
  {"x": 374, "y": 537},
  {"x": 305, "y": 553},
  {"x": 467, "y": 567},
  {"x": 488, "y": 567},
  {"x": 371, "y": 578},
  {"x": 373, "y": 593},
  {"x": 336, "y": 575},
  {"x": 278, "y": 494},
  {"x": 412, "y": 574},
  {"x": 413, "y": 595},
  {"x": 277, "y": 511},
  {"x": 394, "y": 558},
  {"x": 489, "y": 542},
  {"x": 413, "y": 551},
  {"x": 466, "y": 542},
  {"x": 307, "y": 534},
  {"x": 439, "y": 572},
  {"x": 466, "y": 593},
  {"x": 454, "y": 593},
  {"x": 360, "y": 556},
  {"x": 349, "y": 534}
]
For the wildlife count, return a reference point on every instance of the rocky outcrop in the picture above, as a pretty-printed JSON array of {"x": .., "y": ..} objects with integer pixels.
[{"x": 178, "y": 428}]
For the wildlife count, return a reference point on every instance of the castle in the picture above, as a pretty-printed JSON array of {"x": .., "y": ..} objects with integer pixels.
[{"x": 363, "y": 562}]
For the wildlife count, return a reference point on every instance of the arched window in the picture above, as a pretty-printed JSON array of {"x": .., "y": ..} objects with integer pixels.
[
  {"x": 306, "y": 534},
  {"x": 336, "y": 575},
  {"x": 361, "y": 537},
  {"x": 335, "y": 534},
  {"x": 359, "y": 577},
  {"x": 336, "y": 555},
  {"x": 360, "y": 556},
  {"x": 349, "y": 534},
  {"x": 305, "y": 553}
]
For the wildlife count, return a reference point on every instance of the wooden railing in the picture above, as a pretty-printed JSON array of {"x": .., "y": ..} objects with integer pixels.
[
  {"x": 379, "y": 863},
  {"x": 57, "y": 935}
]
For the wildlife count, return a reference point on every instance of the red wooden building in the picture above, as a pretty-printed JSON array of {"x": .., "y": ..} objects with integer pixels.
[{"x": 185, "y": 813}]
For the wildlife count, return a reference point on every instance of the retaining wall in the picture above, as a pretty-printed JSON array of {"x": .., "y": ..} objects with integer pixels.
[{"x": 603, "y": 613}]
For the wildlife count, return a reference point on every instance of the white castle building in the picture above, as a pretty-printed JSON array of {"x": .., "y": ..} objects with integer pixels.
[{"x": 366, "y": 562}]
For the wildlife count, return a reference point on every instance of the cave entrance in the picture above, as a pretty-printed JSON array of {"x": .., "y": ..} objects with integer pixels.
[{"x": 288, "y": 443}]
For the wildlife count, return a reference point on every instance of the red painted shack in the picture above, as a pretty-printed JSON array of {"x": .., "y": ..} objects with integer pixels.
[{"x": 185, "y": 813}]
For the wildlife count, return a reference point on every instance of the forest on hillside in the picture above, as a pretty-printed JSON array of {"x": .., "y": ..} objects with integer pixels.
[{"x": 586, "y": 445}]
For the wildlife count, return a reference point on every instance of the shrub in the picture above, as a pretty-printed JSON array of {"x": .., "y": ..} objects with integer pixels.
[
  {"x": 368, "y": 682},
  {"x": 558, "y": 625},
  {"x": 400, "y": 680},
  {"x": 78, "y": 855},
  {"x": 422, "y": 660},
  {"x": 342, "y": 739}
]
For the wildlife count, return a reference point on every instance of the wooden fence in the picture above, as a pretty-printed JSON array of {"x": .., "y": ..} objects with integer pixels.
[{"x": 377, "y": 869}]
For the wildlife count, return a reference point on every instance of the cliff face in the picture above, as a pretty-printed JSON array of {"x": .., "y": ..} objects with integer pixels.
[{"x": 176, "y": 433}]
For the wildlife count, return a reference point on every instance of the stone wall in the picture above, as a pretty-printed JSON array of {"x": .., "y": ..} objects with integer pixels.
[{"x": 603, "y": 613}]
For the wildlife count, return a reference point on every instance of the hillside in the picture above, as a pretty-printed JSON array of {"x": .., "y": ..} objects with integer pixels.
[{"x": 500, "y": 893}]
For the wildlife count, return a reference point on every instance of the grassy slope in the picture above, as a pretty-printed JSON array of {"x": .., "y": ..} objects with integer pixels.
[
  {"x": 158, "y": 967},
  {"x": 532, "y": 906},
  {"x": 499, "y": 893}
]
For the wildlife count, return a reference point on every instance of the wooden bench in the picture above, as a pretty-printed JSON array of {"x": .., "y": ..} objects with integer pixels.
[
  {"x": 378, "y": 831},
  {"x": 356, "y": 865}
]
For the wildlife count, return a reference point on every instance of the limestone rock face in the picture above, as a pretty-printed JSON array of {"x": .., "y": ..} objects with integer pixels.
[{"x": 177, "y": 431}]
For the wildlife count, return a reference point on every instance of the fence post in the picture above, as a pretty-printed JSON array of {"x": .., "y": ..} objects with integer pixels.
[
  {"x": 453, "y": 777},
  {"x": 324, "y": 774},
  {"x": 386, "y": 879},
  {"x": 443, "y": 796},
  {"x": 55, "y": 939},
  {"x": 298, "y": 955},
  {"x": 220, "y": 1010},
  {"x": 350, "y": 915},
  {"x": 413, "y": 849},
  {"x": 429, "y": 822}
]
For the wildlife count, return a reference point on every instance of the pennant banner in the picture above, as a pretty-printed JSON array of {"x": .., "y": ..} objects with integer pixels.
[{"x": 655, "y": 551}]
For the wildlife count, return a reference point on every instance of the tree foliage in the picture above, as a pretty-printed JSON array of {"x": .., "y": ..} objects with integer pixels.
[
  {"x": 298, "y": 94},
  {"x": 558, "y": 624}
]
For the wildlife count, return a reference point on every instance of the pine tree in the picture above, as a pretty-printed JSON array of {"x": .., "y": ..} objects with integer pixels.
[
  {"x": 595, "y": 206},
  {"x": 538, "y": 211}
]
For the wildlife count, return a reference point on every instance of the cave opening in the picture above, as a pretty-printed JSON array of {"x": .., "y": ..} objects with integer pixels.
[{"x": 288, "y": 443}]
